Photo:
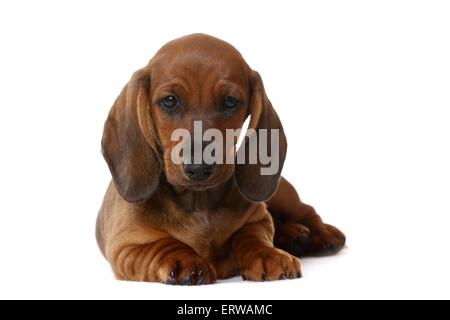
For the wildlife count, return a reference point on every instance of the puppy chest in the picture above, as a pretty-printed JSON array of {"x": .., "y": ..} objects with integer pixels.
[{"x": 205, "y": 233}]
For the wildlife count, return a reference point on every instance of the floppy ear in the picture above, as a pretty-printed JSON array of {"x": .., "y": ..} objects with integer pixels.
[
  {"x": 251, "y": 183},
  {"x": 128, "y": 146}
]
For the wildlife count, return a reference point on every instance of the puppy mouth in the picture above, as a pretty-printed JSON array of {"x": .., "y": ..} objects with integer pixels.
[
  {"x": 180, "y": 180},
  {"x": 200, "y": 189},
  {"x": 200, "y": 186}
]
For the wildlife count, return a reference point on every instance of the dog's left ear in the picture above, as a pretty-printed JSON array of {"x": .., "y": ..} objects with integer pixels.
[
  {"x": 128, "y": 143},
  {"x": 251, "y": 183}
]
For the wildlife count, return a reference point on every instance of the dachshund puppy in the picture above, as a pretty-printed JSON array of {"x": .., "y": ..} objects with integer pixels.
[{"x": 191, "y": 224}]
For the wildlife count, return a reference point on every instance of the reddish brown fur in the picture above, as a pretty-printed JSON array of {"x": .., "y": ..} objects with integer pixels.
[{"x": 157, "y": 225}]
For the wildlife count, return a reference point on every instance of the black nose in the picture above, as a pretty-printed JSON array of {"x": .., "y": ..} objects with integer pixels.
[{"x": 198, "y": 172}]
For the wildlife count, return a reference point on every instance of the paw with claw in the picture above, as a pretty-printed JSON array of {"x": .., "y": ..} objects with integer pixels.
[
  {"x": 186, "y": 269},
  {"x": 269, "y": 264}
]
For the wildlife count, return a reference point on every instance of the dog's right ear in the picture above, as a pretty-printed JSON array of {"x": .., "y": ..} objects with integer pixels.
[{"x": 128, "y": 145}]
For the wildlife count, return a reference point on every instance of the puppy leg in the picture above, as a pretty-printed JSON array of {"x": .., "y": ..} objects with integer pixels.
[
  {"x": 299, "y": 229},
  {"x": 258, "y": 259},
  {"x": 166, "y": 260}
]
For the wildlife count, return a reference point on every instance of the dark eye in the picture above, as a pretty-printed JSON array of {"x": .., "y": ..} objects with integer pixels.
[
  {"x": 230, "y": 103},
  {"x": 169, "y": 102}
]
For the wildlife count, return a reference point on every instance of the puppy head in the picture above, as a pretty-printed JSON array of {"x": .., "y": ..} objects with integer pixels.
[{"x": 192, "y": 84}]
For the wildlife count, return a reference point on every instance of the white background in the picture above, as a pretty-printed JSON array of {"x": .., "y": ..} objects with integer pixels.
[{"x": 363, "y": 90}]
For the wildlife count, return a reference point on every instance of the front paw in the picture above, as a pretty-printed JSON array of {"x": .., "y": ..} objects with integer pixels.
[
  {"x": 186, "y": 269},
  {"x": 269, "y": 264}
]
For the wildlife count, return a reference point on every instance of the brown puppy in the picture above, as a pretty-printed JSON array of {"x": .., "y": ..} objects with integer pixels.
[{"x": 179, "y": 224}]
